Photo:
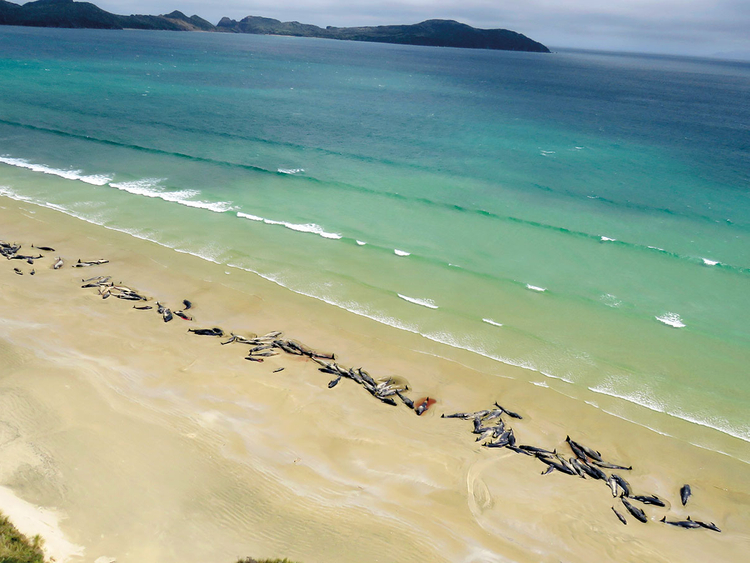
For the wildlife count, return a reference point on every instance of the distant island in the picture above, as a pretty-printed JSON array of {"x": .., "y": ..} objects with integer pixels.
[{"x": 436, "y": 33}]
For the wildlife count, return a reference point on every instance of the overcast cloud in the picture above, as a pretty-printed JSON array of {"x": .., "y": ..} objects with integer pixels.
[{"x": 695, "y": 27}]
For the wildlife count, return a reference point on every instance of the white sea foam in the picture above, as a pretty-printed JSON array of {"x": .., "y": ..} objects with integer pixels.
[
  {"x": 290, "y": 170},
  {"x": 657, "y": 248},
  {"x": 248, "y": 216},
  {"x": 708, "y": 262},
  {"x": 299, "y": 227},
  {"x": 646, "y": 401},
  {"x": 540, "y": 384},
  {"x": 552, "y": 376},
  {"x": 95, "y": 179},
  {"x": 149, "y": 187},
  {"x": 634, "y": 422},
  {"x": 536, "y": 288},
  {"x": 607, "y": 239},
  {"x": 429, "y": 303},
  {"x": 493, "y": 323},
  {"x": 546, "y": 153},
  {"x": 304, "y": 228},
  {"x": 8, "y": 192},
  {"x": 671, "y": 319},
  {"x": 610, "y": 300},
  {"x": 711, "y": 449},
  {"x": 361, "y": 243},
  {"x": 398, "y": 252}
]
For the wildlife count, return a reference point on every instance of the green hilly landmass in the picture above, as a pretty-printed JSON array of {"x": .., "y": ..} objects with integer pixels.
[
  {"x": 438, "y": 33},
  {"x": 67, "y": 13}
]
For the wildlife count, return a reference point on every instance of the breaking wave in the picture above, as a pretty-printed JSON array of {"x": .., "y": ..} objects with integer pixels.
[
  {"x": 299, "y": 227},
  {"x": 429, "y": 303},
  {"x": 671, "y": 319},
  {"x": 646, "y": 401},
  {"x": 93, "y": 179},
  {"x": 149, "y": 187}
]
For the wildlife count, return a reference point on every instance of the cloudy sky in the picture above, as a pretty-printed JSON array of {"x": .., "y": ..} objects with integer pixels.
[{"x": 695, "y": 27}]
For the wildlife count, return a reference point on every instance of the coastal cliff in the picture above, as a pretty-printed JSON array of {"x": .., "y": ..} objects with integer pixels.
[{"x": 437, "y": 33}]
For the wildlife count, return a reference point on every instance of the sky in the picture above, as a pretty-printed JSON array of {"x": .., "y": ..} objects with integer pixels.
[{"x": 690, "y": 27}]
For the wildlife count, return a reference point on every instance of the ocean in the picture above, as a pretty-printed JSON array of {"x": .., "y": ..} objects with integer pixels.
[{"x": 584, "y": 215}]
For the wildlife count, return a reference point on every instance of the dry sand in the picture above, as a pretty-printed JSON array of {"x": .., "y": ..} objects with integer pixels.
[{"x": 149, "y": 444}]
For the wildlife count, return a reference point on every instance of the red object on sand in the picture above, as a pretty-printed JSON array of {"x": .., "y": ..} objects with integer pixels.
[{"x": 429, "y": 402}]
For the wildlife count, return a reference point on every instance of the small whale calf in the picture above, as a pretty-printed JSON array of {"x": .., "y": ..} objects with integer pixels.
[
  {"x": 620, "y": 517},
  {"x": 685, "y": 493}
]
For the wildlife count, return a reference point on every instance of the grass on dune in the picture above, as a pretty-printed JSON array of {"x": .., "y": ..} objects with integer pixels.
[{"x": 17, "y": 548}]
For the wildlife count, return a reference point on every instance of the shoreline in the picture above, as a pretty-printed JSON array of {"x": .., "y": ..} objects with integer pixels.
[
  {"x": 699, "y": 429},
  {"x": 416, "y": 465}
]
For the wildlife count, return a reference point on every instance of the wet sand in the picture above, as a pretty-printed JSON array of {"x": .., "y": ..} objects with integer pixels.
[{"x": 155, "y": 445}]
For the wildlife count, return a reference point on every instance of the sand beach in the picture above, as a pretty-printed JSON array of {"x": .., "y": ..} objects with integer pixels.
[{"x": 150, "y": 444}]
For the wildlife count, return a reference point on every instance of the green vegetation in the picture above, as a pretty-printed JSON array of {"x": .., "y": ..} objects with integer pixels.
[{"x": 17, "y": 548}]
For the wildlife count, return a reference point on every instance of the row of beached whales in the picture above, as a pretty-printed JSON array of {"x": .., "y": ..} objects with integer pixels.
[
  {"x": 487, "y": 424},
  {"x": 585, "y": 463},
  {"x": 12, "y": 252}
]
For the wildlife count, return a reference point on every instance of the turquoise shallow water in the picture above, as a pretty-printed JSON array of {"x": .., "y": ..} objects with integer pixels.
[{"x": 585, "y": 215}]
